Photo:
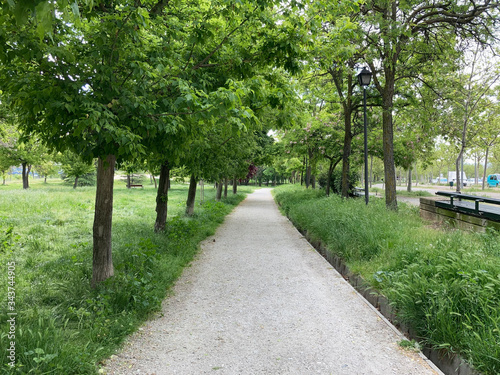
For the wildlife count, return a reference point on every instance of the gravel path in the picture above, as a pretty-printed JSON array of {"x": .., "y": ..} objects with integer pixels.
[{"x": 259, "y": 300}]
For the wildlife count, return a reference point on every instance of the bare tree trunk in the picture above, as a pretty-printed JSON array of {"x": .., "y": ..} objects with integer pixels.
[
  {"x": 128, "y": 181},
  {"x": 329, "y": 177},
  {"x": 457, "y": 168},
  {"x": 162, "y": 198},
  {"x": 235, "y": 185},
  {"x": 76, "y": 182},
  {"x": 156, "y": 183},
  {"x": 193, "y": 181},
  {"x": 408, "y": 186},
  {"x": 308, "y": 173},
  {"x": 225, "y": 187},
  {"x": 102, "y": 262},
  {"x": 485, "y": 166},
  {"x": 346, "y": 167},
  {"x": 26, "y": 174},
  {"x": 371, "y": 170},
  {"x": 218, "y": 194},
  {"x": 388, "y": 141}
]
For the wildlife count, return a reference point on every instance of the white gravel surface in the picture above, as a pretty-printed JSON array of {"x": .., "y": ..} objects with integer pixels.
[{"x": 260, "y": 300}]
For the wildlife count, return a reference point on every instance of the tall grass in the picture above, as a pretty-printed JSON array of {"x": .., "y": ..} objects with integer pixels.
[
  {"x": 63, "y": 326},
  {"x": 445, "y": 285}
]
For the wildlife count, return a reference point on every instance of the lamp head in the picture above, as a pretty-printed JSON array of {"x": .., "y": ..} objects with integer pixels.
[{"x": 364, "y": 77}]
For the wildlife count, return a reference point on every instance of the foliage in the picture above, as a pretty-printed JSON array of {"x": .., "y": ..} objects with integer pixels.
[
  {"x": 64, "y": 326},
  {"x": 446, "y": 285},
  {"x": 336, "y": 180},
  {"x": 76, "y": 169}
]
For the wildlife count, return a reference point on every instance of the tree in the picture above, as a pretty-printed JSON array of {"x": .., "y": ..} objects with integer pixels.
[
  {"x": 129, "y": 75},
  {"x": 489, "y": 136},
  {"x": 74, "y": 167},
  {"x": 20, "y": 149},
  {"x": 467, "y": 99},
  {"x": 46, "y": 168},
  {"x": 397, "y": 31}
]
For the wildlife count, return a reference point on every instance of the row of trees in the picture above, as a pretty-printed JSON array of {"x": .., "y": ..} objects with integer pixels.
[
  {"x": 33, "y": 156},
  {"x": 199, "y": 83},
  {"x": 434, "y": 77},
  {"x": 187, "y": 83}
]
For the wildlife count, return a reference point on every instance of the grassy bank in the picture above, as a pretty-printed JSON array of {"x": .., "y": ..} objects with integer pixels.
[
  {"x": 445, "y": 285},
  {"x": 63, "y": 326}
]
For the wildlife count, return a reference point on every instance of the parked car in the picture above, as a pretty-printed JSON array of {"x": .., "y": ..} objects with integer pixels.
[
  {"x": 472, "y": 181},
  {"x": 493, "y": 180}
]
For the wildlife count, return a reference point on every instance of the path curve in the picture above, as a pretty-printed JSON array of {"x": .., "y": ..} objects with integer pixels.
[{"x": 260, "y": 300}]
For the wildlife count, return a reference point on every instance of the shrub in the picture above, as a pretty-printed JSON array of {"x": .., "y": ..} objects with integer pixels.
[{"x": 336, "y": 181}]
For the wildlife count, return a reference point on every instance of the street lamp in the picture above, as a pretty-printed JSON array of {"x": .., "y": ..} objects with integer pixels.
[{"x": 364, "y": 78}]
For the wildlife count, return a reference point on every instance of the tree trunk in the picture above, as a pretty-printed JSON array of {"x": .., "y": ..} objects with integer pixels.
[
  {"x": 347, "y": 152},
  {"x": 235, "y": 185},
  {"x": 76, "y": 182},
  {"x": 128, "y": 181},
  {"x": 457, "y": 168},
  {"x": 193, "y": 181},
  {"x": 102, "y": 262},
  {"x": 371, "y": 170},
  {"x": 329, "y": 178},
  {"x": 162, "y": 198},
  {"x": 218, "y": 194},
  {"x": 408, "y": 186},
  {"x": 225, "y": 187},
  {"x": 156, "y": 183},
  {"x": 45, "y": 179},
  {"x": 485, "y": 166},
  {"x": 308, "y": 172},
  {"x": 26, "y": 174},
  {"x": 388, "y": 140}
]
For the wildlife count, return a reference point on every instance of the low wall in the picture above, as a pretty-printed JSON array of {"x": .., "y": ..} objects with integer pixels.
[{"x": 429, "y": 211}]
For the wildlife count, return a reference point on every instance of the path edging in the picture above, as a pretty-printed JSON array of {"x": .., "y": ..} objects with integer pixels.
[{"x": 448, "y": 363}]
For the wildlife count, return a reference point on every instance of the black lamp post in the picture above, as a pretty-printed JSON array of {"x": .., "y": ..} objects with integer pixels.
[{"x": 364, "y": 78}]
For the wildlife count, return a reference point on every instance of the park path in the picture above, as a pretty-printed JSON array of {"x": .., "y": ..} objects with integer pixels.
[{"x": 260, "y": 300}]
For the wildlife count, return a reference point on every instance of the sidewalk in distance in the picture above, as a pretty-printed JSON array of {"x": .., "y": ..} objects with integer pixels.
[{"x": 260, "y": 300}]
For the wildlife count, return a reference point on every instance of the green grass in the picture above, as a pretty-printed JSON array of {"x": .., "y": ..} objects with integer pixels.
[
  {"x": 444, "y": 284},
  {"x": 63, "y": 326},
  {"x": 404, "y": 193}
]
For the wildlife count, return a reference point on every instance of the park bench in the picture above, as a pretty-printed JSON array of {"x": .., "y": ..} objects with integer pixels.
[
  {"x": 136, "y": 186},
  {"x": 488, "y": 208},
  {"x": 358, "y": 192}
]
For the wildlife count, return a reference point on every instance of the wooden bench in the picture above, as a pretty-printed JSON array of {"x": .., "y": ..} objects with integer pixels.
[{"x": 136, "y": 186}]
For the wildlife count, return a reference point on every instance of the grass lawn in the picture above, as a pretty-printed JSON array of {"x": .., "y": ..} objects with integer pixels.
[
  {"x": 444, "y": 284},
  {"x": 62, "y": 326}
]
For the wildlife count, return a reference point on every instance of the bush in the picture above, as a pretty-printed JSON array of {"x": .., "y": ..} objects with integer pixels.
[{"x": 336, "y": 181}]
